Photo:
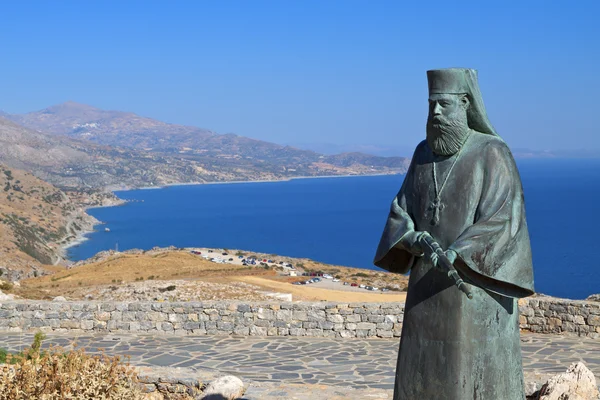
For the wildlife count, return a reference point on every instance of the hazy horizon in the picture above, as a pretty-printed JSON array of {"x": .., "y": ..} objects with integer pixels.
[{"x": 346, "y": 74}]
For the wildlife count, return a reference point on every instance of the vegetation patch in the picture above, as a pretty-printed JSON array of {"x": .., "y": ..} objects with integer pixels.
[{"x": 58, "y": 374}]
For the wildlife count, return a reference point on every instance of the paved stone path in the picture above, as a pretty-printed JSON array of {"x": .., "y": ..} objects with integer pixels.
[{"x": 355, "y": 363}]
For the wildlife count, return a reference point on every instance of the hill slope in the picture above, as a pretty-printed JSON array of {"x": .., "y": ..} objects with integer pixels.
[
  {"x": 35, "y": 219},
  {"x": 75, "y": 164},
  {"x": 128, "y": 130}
]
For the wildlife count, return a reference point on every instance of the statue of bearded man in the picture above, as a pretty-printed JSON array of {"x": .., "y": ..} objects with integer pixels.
[{"x": 464, "y": 192}]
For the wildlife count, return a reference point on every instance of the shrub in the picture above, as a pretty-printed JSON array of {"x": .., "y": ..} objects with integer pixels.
[
  {"x": 5, "y": 285},
  {"x": 56, "y": 374}
]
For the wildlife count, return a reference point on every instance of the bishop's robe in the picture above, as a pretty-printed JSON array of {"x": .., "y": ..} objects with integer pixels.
[{"x": 451, "y": 347}]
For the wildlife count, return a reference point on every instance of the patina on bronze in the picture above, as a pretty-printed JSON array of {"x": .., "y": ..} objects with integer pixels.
[{"x": 462, "y": 193}]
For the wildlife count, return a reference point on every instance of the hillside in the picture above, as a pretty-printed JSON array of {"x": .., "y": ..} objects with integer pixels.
[
  {"x": 113, "y": 128},
  {"x": 221, "y": 157},
  {"x": 35, "y": 219},
  {"x": 179, "y": 275}
]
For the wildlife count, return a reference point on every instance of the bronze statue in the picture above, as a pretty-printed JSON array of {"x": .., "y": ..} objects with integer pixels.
[{"x": 458, "y": 225}]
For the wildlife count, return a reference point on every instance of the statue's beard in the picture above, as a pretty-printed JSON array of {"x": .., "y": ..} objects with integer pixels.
[{"x": 446, "y": 135}]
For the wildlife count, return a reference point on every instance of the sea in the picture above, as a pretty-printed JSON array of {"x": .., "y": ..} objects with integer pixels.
[{"x": 340, "y": 220}]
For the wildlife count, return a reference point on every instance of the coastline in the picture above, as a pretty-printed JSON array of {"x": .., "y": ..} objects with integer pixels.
[
  {"x": 82, "y": 235},
  {"x": 126, "y": 189}
]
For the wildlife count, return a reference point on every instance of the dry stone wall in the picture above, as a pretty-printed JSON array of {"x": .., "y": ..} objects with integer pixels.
[
  {"x": 208, "y": 318},
  {"x": 552, "y": 315},
  {"x": 320, "y": 319}
]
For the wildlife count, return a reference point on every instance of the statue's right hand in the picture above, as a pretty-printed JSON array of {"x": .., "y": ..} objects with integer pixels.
[{"x": 411, "y": 242}]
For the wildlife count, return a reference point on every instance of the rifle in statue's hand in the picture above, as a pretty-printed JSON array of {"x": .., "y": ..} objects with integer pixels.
[{"x": 430, "y": 246}]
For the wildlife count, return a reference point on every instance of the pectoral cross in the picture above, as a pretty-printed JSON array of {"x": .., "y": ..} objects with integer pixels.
[{"x": 436, "y": 206}]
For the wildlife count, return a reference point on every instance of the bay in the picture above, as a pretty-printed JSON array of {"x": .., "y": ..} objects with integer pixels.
[{"x": 340, "y": 220}]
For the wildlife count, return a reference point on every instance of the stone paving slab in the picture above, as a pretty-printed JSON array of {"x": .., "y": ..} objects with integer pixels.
[{"x": 358, "y": 364}]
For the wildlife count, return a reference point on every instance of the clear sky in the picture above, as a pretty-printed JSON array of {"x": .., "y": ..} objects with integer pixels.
[{"x": 343, "y": 72}]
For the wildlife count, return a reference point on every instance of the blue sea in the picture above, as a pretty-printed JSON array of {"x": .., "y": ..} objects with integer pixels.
[{"x": 340, "y": 220}]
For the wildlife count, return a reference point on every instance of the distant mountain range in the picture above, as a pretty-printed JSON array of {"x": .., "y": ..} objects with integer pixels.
[{"x": 74, "y": 144}]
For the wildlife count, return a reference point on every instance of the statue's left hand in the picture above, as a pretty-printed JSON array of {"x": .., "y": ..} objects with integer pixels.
[{"x": 451, "y": 254}]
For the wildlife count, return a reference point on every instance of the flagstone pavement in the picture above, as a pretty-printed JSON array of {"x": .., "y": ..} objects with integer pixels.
[{"x": 354, "y": 363}]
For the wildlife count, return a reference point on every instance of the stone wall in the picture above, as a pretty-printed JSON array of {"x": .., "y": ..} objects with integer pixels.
[
  {"x": 552, "y": 315},
  {"x": 207, "y": 318},
  {"x": 321, "y": 319}
]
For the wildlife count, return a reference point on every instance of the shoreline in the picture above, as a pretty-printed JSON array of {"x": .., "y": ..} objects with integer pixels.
[
  {"x": 82, "y": 235},
  {"x": 127, "y": 189}
]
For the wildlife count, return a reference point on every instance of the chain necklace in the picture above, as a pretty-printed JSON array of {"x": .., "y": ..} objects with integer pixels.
[{"x": 436, "y": 205}]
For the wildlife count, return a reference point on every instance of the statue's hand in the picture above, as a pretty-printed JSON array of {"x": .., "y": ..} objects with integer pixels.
[
  {"x": 450, "y": 254},
  {"x": 410, "y": 242}
]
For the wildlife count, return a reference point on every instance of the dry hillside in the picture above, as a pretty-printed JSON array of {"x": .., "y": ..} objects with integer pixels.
[
  {"x": 177, "y": 275},
  {"x": 35, "y": 217}
]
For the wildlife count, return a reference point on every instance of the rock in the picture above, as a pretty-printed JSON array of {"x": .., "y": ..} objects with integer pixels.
[
  {"x": 578, "y": 383},
  {"x": 18, "y": 284},
  {"x": 6, "y": 297},
  {"x": 59, "y": 298},
  {"x": 224, "y": 388},
  {"x": 594, "y": 297}
]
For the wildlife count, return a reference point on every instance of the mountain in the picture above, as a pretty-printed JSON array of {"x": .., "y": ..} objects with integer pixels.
[
  {"x": 35, "y": 219},
  {"x": 114, "y": 128},
  {"x": 75, "y": 164},
  {"x": 72, "y": 164},
  {"x": 238, "y": 157}
]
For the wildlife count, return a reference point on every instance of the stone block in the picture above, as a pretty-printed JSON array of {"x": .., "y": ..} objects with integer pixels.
[
  {"x": 353, "y": 318},
  {"x": 366, "y": 325},
  {"x": 316, "y": 315},
  {"x": 375, "y": 318},
  {"x": 191, "y": 325},
  {"x": 297, "y": 331},
  {"x": 258, "y": 331},
  {"x": 225, "y": 326},
  {"x": 325, "y": 325},
  {"x": 347, "y": 334},
  {"x": 283, "y": 315},
  {"x": 283, "y": 331},
  {"x": 299, "y": 316},
  {"x": 87, "y": 325},
  {"x": 335, "y": 318},
  {"x": 594, "y": 320},
  {"x": 264, "y": 313},
  {"x": 241, "y": 330}
]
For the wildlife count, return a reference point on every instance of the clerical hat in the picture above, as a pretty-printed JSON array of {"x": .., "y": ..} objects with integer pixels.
[{"x": 462, "y": 81}]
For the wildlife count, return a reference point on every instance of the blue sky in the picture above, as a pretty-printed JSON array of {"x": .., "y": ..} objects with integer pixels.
[{"x": 342, "y": 72}]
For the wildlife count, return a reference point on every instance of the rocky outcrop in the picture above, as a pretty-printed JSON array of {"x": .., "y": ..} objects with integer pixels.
[
  {"x": 578, "y": 383},
  {"x": 594, "y": 297},
  {"x": 224, "y": 388}
]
